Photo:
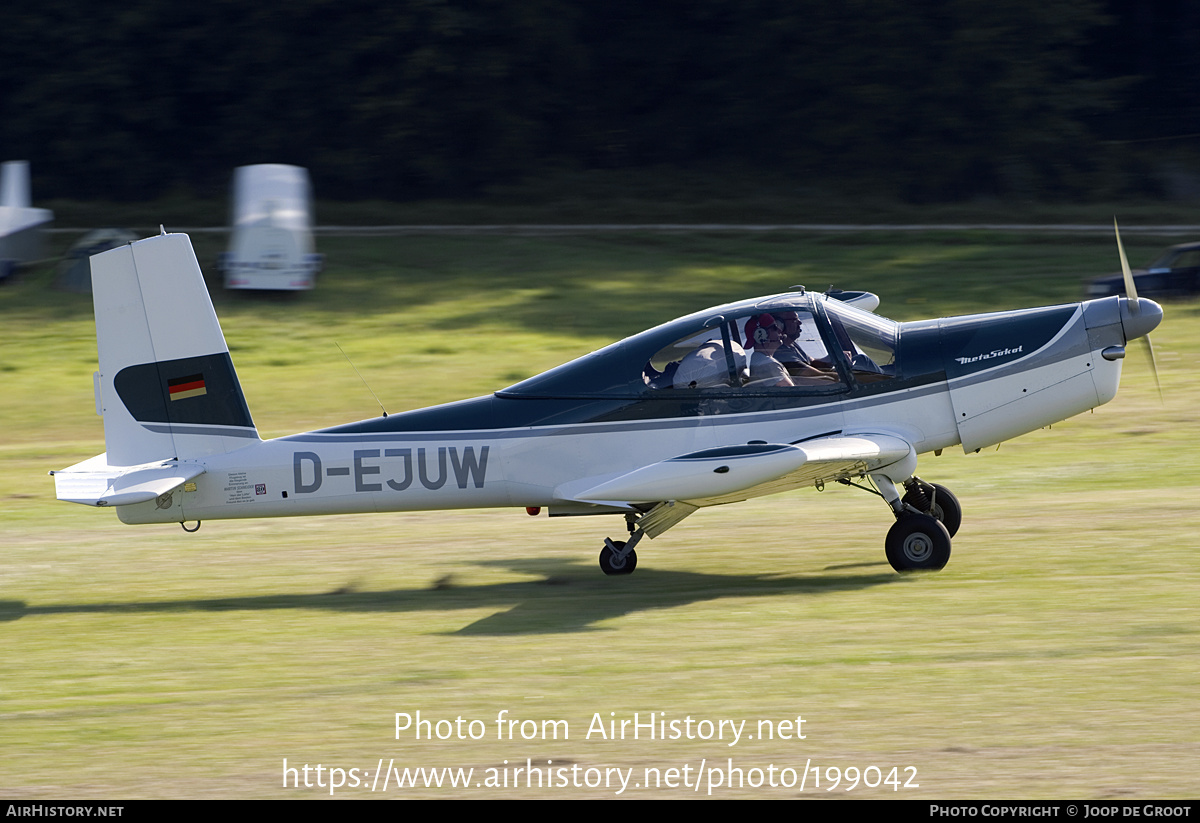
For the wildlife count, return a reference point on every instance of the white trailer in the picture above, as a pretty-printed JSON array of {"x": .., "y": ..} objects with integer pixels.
[{"x": 271, "y": 242}]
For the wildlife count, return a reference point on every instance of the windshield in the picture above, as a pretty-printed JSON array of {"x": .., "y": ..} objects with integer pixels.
[
  {"x": 868, "y": 340},
  {"x": 755, "y": 350}
]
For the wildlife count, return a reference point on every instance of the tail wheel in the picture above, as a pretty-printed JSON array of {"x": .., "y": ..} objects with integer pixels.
[
  {"x": 917, "y": 542},
  {"x": 610, "y": 563}
]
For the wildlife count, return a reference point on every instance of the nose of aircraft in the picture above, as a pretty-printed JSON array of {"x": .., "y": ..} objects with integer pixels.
[{"x": 1139, "y": 317}]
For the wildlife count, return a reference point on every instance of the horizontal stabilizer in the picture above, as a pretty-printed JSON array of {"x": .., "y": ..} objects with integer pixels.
[{"x": 95, "y": 483}]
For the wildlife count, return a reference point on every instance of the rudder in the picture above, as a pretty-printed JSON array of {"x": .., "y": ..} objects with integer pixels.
[{"x": 167, "y": 384}]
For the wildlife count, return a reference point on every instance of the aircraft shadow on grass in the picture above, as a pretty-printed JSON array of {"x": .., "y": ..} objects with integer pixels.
[{"x": 564, "y": 599}]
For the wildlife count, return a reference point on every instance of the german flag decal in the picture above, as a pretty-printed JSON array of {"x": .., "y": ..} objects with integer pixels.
[{"x": 182, "y": 388}]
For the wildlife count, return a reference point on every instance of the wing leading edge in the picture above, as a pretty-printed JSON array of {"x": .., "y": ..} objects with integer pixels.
[{"x": 727, "y": 475}]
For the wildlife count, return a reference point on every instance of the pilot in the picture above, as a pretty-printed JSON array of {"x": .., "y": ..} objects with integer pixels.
[
  {"x": 764, "y": 334},
  {"x": 791, "y": 354}
]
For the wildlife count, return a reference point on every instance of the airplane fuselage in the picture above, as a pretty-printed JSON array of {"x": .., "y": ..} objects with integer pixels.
[
  {"x": 733, "y": 402},
  {"x": 973, "y": 381}
]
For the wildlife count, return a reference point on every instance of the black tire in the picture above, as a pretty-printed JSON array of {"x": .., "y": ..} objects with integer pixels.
[
  {"x": 946, "y": 507},
  {"x": 609, "y": 563},
  {"x": 917, "y": 542}
]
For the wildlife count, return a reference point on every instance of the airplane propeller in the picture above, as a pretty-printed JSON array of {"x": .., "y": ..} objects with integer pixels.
[{"x": 1135, "y": 307}]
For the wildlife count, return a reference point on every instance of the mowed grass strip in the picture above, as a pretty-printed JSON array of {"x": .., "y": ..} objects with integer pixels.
[{"x": 1055, "y": 656}]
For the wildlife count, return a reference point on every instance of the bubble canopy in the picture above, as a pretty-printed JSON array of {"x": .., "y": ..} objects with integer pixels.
[{"x": 797, "y": 342}]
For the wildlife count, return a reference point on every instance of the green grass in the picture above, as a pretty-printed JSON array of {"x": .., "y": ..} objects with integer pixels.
[{"x": 1055, "y": 656}]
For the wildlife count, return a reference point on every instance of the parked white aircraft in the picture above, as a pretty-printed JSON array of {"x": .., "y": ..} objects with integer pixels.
[
  {"x": 741, "y": 400},
  {"x": 21, "y": 225}
]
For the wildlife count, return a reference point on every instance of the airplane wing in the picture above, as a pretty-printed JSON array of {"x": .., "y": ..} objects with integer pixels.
[
  {"x": 95, "y": 483},
  {"x": 730, "y": 474}
]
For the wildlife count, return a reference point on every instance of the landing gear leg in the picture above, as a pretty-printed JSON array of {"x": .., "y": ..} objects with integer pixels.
[{"x": 889, "y": 492}]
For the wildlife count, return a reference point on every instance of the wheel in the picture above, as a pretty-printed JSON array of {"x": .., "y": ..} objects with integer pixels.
[
  {"x": 946, "y": 507},
  {"x": 917, "y": 542},
  {"x": 609, "y": 564}
]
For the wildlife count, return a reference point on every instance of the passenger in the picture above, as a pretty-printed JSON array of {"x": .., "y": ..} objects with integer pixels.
[
  {"x": 764, "y": 334},
  {"x": 707, "y": 367}
]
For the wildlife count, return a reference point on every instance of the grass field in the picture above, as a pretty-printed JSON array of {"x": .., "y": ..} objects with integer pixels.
[{"x": 1055, "y": 657}]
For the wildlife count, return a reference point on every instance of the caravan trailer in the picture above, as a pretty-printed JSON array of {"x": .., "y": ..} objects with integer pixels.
[{"x": 271, "y": 240}]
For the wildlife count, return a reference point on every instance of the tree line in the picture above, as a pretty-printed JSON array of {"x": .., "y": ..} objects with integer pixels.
[{"x": 418, "y": 98}]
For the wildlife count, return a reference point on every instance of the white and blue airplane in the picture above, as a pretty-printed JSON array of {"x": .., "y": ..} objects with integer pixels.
[{"x": 741, "y": 400}]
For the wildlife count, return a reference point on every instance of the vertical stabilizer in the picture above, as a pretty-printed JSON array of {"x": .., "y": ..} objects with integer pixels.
[
  {"x": 167, "y": 383},
  {"x": 14, "y": 184}
]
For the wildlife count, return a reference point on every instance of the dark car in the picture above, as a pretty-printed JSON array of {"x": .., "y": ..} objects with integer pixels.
[{"x": 1175, "y": 273}]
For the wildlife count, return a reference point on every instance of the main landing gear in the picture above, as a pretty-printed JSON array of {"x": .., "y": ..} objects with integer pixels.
[
  {"x": 917, "y": 542},
  {"x": 934, "y": 500},
  {"x": 927, "y": 516}
]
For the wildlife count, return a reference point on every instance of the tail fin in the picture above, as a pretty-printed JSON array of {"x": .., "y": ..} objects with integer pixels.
[
  {"x": 166, "y": 381},
  {"x": 14, "y": 184}
]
